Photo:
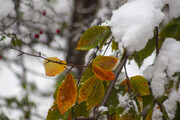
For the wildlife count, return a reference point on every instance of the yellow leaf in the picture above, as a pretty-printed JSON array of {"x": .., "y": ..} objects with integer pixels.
[
  {"x": 95, "y": 94},
  {"x": 86, "y": 87},
  {"x": 105, "y": 75},
  {"x": 92, "y": 91},
  {"x": 140, "y": 85},
  {"x": 66, "y": 94},
  {"x": 105, "y": 62},
  {"x": 52, "y": 68}
]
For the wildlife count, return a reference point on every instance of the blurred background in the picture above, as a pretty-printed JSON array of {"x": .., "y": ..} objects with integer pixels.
[{"x": 51, "y": 28}]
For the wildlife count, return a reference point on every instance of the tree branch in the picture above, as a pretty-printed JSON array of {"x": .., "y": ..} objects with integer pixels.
[
  {"x": 108, "y": 92},
  {"x": 157, "y": 38}
]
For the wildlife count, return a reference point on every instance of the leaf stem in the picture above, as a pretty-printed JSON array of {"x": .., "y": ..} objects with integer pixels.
[{"x": 108, "y": 45}]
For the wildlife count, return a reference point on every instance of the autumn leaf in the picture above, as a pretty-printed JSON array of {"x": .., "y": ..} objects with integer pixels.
[
  {"x": 105, "y": 62},
  {"x": 92, "y": 91},
  {"x": 95, "y": 94},
  {"x": 124, "y": 86},
  {"x": 102, "y": 74},
  {"x": 54, "y": 114},
  {"x": 66, "y": 94},
  {"x": 85, "y": 89},
  {"x": 52, "y": 68},
  {"x": 93, "y": 36},
  {"x": 140, "y": 85}
]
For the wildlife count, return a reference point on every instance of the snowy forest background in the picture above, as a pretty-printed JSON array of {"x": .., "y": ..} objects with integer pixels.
[{"x": 54, "y": 27}]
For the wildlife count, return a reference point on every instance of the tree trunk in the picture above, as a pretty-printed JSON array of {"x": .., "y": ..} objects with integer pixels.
[{"x": 84, "y": 14}]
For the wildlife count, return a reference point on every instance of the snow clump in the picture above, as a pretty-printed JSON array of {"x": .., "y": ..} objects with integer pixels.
[
  {"x": 134, "y": 22},
  {"x": 166, "y": 64}
]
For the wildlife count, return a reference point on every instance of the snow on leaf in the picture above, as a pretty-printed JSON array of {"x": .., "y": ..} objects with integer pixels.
[
  {"x": 93, "y": 36},
  {"x": 133, "y": 23},
  {"x": 140, "y": 85},
  {"x": 66, "y": 94},
  {"x": 105, "y": 62},
  {"x": 166, "y": 64},
  {"x": 52, "y": 68},
  {"x": 102, "y": 74}
]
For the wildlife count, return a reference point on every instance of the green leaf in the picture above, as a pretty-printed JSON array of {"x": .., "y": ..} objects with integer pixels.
[
  {"x": 149, "y": 115},
  {"x": 87, "y": 74},
  {"x": 113, "y": 101},
  {"x": 3, "y": 117},
  {"x": 147, "y": 100},
  {"x": 114, "y": 46},
  {"x": 96, "y": 94},
  {"x": 140, "y": 85},
  {"x": 13, "y": 42},
  {"x": 54, "y": 114},
  {"x": 80, "y": 109},
  {"x": 171, "y": 30},
  {"x": 2, "y": 38},
  {"x": 144, "y": 53},
  {"x": 93, "y": 36},
  {"x": 177, "y": 115}
]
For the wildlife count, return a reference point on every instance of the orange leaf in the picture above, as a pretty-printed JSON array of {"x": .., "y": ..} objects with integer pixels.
[
  {"x": 66, "y": 94},
  {"x": 52, "y": 68},
  {"x": 103, "y": 74},
  {"x": 85, "y": 88},
  {"x": 105, "y": 62}
]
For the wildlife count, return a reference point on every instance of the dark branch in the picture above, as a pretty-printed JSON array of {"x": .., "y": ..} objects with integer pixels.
[{"x": 157, "y": 38}]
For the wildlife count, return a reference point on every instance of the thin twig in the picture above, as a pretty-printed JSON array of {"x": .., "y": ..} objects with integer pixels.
[
  {"x": 157, "y": 41},
  {"x": 108, "y": 45},
  {"x": 40, "y": 56},
  {"x": 127, "y": 79},
  {"x": 126, "y": 71}
]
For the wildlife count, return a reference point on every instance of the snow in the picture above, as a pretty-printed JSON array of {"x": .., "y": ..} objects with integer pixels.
[
  {"x": 102, "y": 109},
  {"x": 166, "y": 64},
  {"x": 6, "y": 6},
  {"x": 127, "y": 103},
  {"x": 171, "y": 104},
  {"x": 157, "y": 114},
  {"x": 174, "y": 8},
  {"x": 134, "y": 22}
]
